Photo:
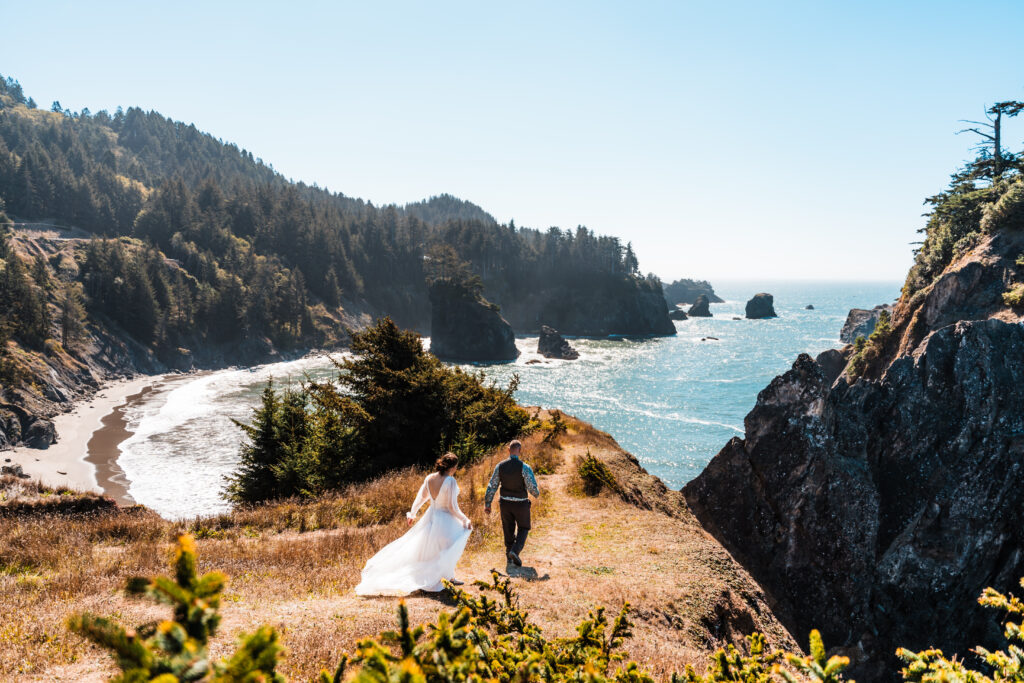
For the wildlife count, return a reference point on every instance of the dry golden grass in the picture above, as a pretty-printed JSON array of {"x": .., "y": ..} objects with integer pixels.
[{"x": 293, "y": 565}]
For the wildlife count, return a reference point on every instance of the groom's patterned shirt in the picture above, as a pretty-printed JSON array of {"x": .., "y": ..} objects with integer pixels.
[{"x": 492, "y": 486}]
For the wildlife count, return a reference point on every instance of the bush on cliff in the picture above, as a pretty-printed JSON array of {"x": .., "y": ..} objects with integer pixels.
[
  {"x": 392, "y": 405},
  {"x": 867, "y": 350}
]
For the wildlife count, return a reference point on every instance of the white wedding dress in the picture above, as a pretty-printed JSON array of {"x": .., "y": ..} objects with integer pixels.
[{"x": 425, "y": 554}]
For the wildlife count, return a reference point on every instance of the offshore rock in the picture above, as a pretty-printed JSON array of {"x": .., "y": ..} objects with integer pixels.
[
  {"x": 677, "y": 314},
  {"x": 465, "y": 327},
  {"x": 700, "y": 308},
  {"x": 553, "y": 345},
  {"x": 878, "y": 511},
  {"x": 686, "y": 291},
  {"x": 761, "y": 305},
  {"x": 860, "y": 322}
]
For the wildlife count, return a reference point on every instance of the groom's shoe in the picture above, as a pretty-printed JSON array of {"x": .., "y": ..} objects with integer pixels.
[{"x": 514, "y": 558}]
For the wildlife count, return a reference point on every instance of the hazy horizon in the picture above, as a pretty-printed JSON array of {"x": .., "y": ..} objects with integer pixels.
[{"x": 739, "y": 142}]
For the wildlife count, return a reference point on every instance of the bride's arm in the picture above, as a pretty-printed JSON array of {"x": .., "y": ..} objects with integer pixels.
[
  {"x": 422, "y": 497},
  {"x": 451, "y": 502}
]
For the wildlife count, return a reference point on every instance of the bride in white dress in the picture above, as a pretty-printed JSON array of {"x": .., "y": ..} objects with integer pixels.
[{"x": 429, "y": 551}]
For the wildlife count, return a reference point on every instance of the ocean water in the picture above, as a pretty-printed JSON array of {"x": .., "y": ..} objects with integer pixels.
[{"x": 671, "y": 401}]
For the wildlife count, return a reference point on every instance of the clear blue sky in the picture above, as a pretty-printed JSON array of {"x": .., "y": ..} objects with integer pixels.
[{"x": 725, "y": 139}]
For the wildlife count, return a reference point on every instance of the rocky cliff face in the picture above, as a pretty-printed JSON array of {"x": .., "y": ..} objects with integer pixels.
[
  {"x": 597, "y": 312},
  {"x": 878, "y": 509},
  {"x": 860, "y": 322},
  {"x": 465, "y": 327}
]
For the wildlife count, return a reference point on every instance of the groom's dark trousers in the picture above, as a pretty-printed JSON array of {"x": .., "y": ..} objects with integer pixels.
[{"x": 515, "y": 523}]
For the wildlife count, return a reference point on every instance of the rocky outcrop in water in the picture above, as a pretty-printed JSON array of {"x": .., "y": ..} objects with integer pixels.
[
  {"x": 553, "y": 345},
  {"x": 877, "y": 509},
  {"x": 761, "y": 305},
  {"x": 465, "y": 327},
  {"x": 686, "y": 291},
  {"x": 700, "y": 308},
  {"x": 677, "y": 314},
  {"x": 860, "y": 322}
]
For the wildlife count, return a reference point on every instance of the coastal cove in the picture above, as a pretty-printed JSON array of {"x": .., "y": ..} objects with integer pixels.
[{"x": 671, "y": 401}]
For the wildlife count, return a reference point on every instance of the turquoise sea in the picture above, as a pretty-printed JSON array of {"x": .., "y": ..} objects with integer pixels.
[{"x": 671, "y": 401}]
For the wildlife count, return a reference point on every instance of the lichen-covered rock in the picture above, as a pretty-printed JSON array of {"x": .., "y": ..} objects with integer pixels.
[
  {"x": 700, "y": 308},
  {"x": 878, "y": 511},
  {"x": 761, "y": 305},
  {"x": 465, "y": 327},
  {"x": 553, "y": 345}
]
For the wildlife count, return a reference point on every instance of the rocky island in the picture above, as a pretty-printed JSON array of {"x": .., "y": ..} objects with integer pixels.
[
  {"x": 466, "y": 327},
  {"x": 553, "y": 345},
  {"x": 700, "y": 308},
  {"x": 761, "y": 305}
]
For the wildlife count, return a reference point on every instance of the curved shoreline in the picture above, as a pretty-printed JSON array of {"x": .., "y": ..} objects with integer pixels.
[{"x": 83, "y": 457}]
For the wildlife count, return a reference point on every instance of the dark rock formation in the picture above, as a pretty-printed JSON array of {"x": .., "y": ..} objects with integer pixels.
[
  {"x": 762, "y": 305},
  {"x": 677, "y": 314},
  {"x": 700, "y": 308},
  {"x": 686, "y": 291},
  {"x": 40, "y": 433},
  {"x": 832, "y": 363},
  {"x": 552, "y": 345},
  {"x": 878, "y": 511},
  {"x": 809, "y": 307},
  {"x": 465, "y": 327},
  {"x": 860, "y": 322}
]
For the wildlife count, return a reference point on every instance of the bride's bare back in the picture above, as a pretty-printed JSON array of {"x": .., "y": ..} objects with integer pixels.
[{"x": 434, "y": 483}]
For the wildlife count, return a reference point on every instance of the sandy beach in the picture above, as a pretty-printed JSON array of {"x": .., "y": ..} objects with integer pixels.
[{"x": 86, "y": 452}]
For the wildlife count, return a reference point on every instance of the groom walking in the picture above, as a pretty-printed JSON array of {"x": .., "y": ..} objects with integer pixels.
[{"x": 516, "y": 480}]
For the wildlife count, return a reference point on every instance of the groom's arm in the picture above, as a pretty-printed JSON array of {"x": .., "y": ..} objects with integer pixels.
[
  {"x": 531, "y": 480},
  {"x": 492, "y": 488}
]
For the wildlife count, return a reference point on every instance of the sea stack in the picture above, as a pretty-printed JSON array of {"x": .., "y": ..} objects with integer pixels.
[
  {"x": 677, "y": 314},
  {"x": 700, "y": 308},
  {"x": 860, "y": 322},
  {"x": 762, "y": 305},
  {"x": 465, "y": 327},
  {"x": 553, "y": 345}
]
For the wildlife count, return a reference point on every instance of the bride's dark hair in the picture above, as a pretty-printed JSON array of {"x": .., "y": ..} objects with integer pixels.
[{"x": 446, "y": 462}]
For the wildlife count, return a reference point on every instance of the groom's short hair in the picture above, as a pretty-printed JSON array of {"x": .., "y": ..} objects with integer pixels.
[{"x": 515, "y": 443}]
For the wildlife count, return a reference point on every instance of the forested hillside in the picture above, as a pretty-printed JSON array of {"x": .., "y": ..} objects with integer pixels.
[{"x": 225, "y": 249}]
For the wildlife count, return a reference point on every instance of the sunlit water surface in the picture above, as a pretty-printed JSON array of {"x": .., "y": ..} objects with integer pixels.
[{"x": 671, "y": 401}]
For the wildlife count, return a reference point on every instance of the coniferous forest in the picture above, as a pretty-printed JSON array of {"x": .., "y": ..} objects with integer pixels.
[{"x": 195, "y": 241}]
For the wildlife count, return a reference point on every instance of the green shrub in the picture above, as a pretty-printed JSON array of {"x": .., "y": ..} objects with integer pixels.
[
  {"x": 865, "y": 351},
  {"x": 595, "y": 475},
  {"x": 1014, "y": 296},
  {"x": 391, "y": 406},
  {"x": 1007, "y": 212},
  {"x": 177, "y": 649}
]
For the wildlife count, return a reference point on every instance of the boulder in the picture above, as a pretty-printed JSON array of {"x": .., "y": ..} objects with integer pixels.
[
  {"x": 553, "y": 345},
  {"x": 700, "y": 308},
  {"x": 761, "y": 306},
  {"x": 877, "y": 511},
  {"x": 40, "y": 433},
  {"x": 15, "y": 471},
  {"x": 860, "y": 322},
  {"x": 809, "y": 307},
  {"x": 677, "y": 314},
  {"x": 465, "y": 327}
]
